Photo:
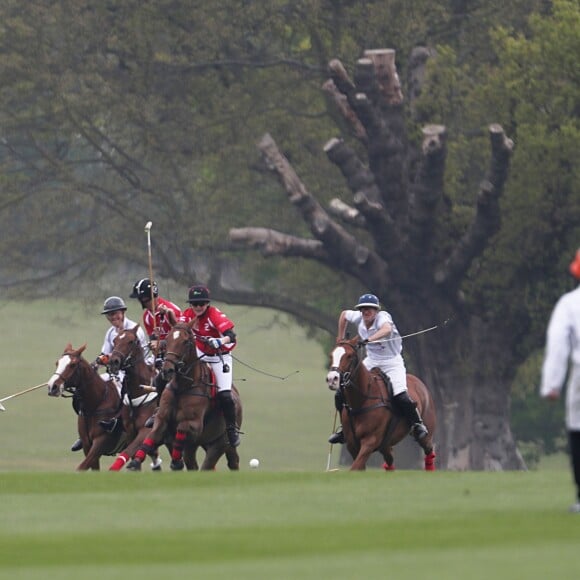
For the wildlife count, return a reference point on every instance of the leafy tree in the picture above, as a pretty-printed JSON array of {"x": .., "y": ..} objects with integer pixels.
[{"x": 123, "y": 112}]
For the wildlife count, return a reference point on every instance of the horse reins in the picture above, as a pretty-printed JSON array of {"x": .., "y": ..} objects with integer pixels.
[
  {"x": 347, "y": 382},
  {"x": 178, "y": 362},
  {"x": 74, "y": 389}
]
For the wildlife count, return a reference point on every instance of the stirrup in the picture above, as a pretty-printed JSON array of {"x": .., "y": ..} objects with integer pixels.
[{"x": 233, "y": 436}]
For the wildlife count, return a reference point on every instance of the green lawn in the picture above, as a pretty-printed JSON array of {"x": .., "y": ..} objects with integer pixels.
[
  {"x": 287, "y": 519},
  {"x": 260, "y": 524}
]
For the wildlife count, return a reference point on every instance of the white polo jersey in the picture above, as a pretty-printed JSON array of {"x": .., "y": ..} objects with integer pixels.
[
  {"x": 389, "y": 347},
  {"x": 112, "y": 333}
]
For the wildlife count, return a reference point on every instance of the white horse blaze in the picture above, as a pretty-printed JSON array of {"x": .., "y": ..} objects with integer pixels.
[
  {"x": 333, "y": 377},
  {"x": 61, "y": 365}
]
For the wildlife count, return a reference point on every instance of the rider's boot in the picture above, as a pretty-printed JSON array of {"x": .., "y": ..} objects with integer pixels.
[
  {"x": 77, "y": 445},
  {"x": 229, "y": 410},
  {"x": 408, "y": 409},
  {"x": 160, "y": 383},
  {"x": 151, "y": 420},
  {"x": 338, "y": 435}
]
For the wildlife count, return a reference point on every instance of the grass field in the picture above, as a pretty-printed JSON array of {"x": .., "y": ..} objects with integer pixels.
[
  {"x": 288, "y": 519},
  {"x": 259, "y": 524}
]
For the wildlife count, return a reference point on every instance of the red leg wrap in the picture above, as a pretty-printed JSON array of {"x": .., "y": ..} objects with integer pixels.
[
  {"x": 177, "y": 451},
  {"x": 388, "y": 467},
  {"x": 430, "y": 461},
  {"x": 119, "y": 463},
  {"x": 147, "y": 447}
]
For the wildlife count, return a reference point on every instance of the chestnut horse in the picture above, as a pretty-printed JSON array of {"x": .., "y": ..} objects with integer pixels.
[
  {"x": 189, "y": 403},
  {"x": 94, "y": 400},
  {"x": 368, "y": 418},
  {"x": 140, "y": 400}
]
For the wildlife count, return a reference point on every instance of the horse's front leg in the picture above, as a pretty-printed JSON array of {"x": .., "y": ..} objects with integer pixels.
[
  {"x": 134, "y": 420},
  {"x": 233, "y": 458},
  {"x": 367, "y": 444},
  {"x": 191, "y": 428},
  {"x": 178, "y": 445},
  {"x": 360, "y": 461},
  {"x": 94, "y": 453},
  {"x": 387, "y": 453},
  {"x": 154, "y": 438},
  {"x": 189, "y": 456},
  {"x": 212, "y": 456}
]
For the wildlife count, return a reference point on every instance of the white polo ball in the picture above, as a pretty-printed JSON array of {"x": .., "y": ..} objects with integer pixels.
[{"x": 254, "y": 463}]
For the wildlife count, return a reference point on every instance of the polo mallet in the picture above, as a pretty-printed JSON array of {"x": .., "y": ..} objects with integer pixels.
[
  {"x": 330, "y": 444},
  {"x": 153, "y": 307},
  {"x": 148, "y": 232},
  {"x": 2, "y": 408}
]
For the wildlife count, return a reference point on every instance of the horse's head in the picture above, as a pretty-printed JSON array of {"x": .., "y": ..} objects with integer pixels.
[
  {"x": 66, "y": 368},
  {"x": 344, "y": 359},
  {"x": 126, "y": 350},
  {"x": 180, "y": 349}
]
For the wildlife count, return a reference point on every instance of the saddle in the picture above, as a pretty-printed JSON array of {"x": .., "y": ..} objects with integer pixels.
[{"x": 386, "y": 380}]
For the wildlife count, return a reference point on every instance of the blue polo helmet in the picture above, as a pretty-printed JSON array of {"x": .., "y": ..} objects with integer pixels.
[{"x": 369, "y": 300}]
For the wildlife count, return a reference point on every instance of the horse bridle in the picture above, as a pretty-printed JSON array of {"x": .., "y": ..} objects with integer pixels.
[
  {"x": 346, "y": 381},
  {"x": 75, "y": 389},
  {"x": 346, "y": 376},
  {"x": 177, "y": 360},
  {"x": 127, "y": 360}
]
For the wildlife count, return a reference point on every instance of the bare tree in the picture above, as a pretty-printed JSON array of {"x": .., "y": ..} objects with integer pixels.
[{"x": 400, "y": 238}]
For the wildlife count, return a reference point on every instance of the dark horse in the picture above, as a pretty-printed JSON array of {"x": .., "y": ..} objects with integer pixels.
[
  {"x": 368, "y": 419},
  {"x": 139, "y": 398},
  {"x": 94, "y": 400},
  {"x": 189, "y": 404}
]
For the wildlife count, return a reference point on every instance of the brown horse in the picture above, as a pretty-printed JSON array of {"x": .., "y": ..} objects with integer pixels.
[
  {"x": 189, "y": 404},
  {"x": 140, "y": 400},
  {"x": 368, "y": 419},
  {"x": 94, "y": 400}
]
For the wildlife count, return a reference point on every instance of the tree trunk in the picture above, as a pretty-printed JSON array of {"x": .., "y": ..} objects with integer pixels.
[{"x": 399, "y": 239}]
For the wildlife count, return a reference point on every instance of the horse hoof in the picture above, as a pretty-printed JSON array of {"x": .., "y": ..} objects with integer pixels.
[
  {"x": 177, "y": 465},
  {"x": 134, "y": 465},
  {"x": 388, "y": 467}
]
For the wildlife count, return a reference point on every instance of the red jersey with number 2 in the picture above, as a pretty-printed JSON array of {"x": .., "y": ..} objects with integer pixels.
[{"x": 211, "y": 324}]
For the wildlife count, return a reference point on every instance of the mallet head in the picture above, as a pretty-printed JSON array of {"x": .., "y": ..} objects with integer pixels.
[
  {"x": 2, "y": 408},
  {"x": 148, "y": 226}
]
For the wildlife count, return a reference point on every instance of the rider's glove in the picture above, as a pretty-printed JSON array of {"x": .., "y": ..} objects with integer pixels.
[
  {"x": 363, "y": 342},
  {"x": 214, "y": 343},
  {"x": 158, "y": 363}
]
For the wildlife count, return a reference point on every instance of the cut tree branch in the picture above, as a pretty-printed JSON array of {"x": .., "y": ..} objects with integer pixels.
[
  {"x": 487, "y": 218},
  {"x": 346, "y": 213},
  {"x": 274, "y": 243},
  {"x": 428, "y": 188}
]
